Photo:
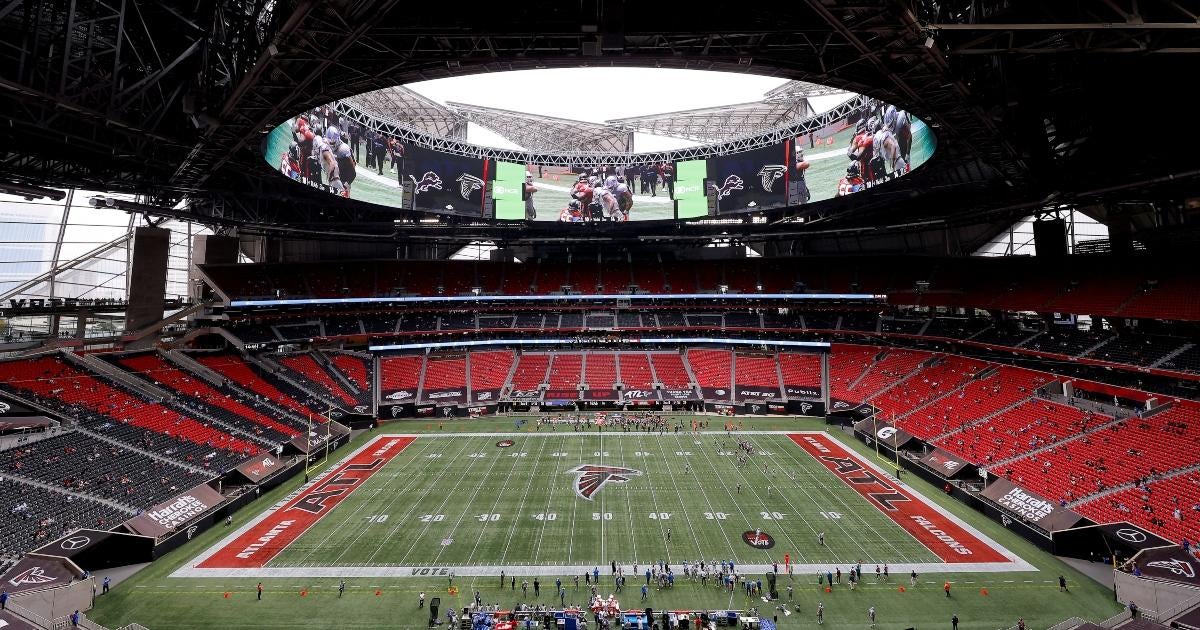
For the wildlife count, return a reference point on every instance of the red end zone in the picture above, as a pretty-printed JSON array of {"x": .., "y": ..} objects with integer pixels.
[
  {"x": 938, "y": 533},
  {"x": 264, "y": 540}
]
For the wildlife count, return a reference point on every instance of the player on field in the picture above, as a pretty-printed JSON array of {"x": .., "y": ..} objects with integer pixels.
[
  {"x": 912, "y": 578},
  {"x": 861, "y": 150},
  {"x": 668, "y": 534},
  {"x": 820, "y": 613},
  {"x": 871, "y": 615},
  {"x": 821, "y": 538},
  {"x": 852, "y": 182}
]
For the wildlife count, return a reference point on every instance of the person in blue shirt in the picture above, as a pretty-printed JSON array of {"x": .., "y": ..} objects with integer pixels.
[
  {"x": 596, "y": 574},
  {"x": 645, "y": 591},
  {"x": 106, "y": 584},
  {"x": 647, "y": 576},
  {"x": 75, "y": 619},
  {"x": 3, "y": 600}
]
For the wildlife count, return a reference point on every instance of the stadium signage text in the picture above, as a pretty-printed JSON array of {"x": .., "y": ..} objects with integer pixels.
[
  {"x": 946, "y": 538},
  {"x": 275, "y": 530},
  {"x": 1026, "y": 505},
  {"x": 758, "y": 539}
]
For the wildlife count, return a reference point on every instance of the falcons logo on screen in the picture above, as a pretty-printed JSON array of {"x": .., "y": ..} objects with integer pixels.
[
  {"x": 732, "y": 183},
  {"x": 591, "y": 478},
  {"x": 770, "y": 174},
  {"x": 468, "y": 184},
  {"x": 428, "y": 180}
]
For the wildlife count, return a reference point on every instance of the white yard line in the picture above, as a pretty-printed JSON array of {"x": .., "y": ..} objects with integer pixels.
[
  {"x": 466, "y": 506},
  {"x": 1015, "y": 563},
  {"x": 848, "y": 511},
  {"x": 414, "y": 504},
  {"x": 711, "y": 509},
  {"x": 757, "y": 497},
  {"x": 537, "y": 549},
  {"x": 521, "y": 505},
  {"x": 361, "y": 505},
  {"x": 438, "y": 510},
  {"x": 496, "y": 502}
]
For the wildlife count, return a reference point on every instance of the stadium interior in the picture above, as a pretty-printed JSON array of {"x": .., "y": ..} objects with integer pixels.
[{"x": 247, "y": 266}]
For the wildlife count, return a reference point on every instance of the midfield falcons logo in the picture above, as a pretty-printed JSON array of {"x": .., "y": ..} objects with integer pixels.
[
  {"x": 732, "y": 183},
  {"x": 32, "y": 575},
  {"x": 468, "y": 184},
  {"x": 591, "y": 478},
  {"x": 1177, "y": 567},
  {"x": 428, "y": 180},
  {"x": 771, "y": 174}
]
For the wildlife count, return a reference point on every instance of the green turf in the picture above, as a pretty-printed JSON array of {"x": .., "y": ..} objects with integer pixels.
[
  {"x": 155, "y": 600},
  {"x": 464, "y": 501}
]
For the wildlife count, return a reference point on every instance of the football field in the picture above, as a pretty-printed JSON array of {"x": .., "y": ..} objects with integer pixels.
[{"x": 564, "y": 502}]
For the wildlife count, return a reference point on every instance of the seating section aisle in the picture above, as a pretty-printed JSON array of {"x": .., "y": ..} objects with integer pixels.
[
  {"x": 566, "y": 371},
  {"x": 80, "y": 463},
  {"x": 979, "y": 399},
  {"x": 354, "y": 367},
  {"x": 711, "y": 368},
  {"x": 847, "y": 363},
  {"x": 950, "y": 373},
  {"x": 31, "y": 516},
  {"x": 398, "y": 374},
  {"x": 309, "y": 370},
  {"x": 892, "y": 368},
  {"x": 489, "y": 370},
  {"x": 1131, "y": 449},
  {"x": 237, "y": 412},
  {"x": 1029, "y": 426},
  {"x": 531, "y": 371},
  {"x": 1154, "y": 506},
  {"x": 601, "y": 370},
  {"x": 635, "y": 370},
  {"x": 241, "y": 374},
  {"x": 105, "y": 408}
]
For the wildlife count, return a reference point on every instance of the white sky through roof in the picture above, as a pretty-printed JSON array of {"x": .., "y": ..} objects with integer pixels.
[{"x": 600, "y": 94}]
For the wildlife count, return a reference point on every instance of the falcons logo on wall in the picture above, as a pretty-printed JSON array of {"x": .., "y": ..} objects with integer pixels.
[
  {"x": 591, "y": 478},
  {"x": 1177, "y": 567}
]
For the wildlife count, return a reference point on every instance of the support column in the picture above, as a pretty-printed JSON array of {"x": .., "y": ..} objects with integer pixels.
[{"x": 147, "y": 277}]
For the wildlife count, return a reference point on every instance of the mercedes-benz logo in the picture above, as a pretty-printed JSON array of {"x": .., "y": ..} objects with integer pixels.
[
  {"x": 1131, "y": 535},
  {"x": 75, "y": 542}
]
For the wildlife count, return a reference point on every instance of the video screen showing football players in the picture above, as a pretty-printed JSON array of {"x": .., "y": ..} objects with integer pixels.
[
  {"x": 611, "y": 193},
  {"x": 871, "y": 146}
]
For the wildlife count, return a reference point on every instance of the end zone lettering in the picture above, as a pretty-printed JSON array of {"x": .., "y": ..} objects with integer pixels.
[
  {"x": 946, "y": 538},
  {"x": 277, "y": 529}
]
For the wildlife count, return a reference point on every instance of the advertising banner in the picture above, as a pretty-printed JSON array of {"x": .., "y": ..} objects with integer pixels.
[
  {"x": 751, "y": 180},
  {"x": 1030, "y": 507},
  {"x": 715, "y": 393},
  {"x": 884, "y": 432},
  {"x": 1170, "y": 563},
  {"x": 455, "y": 395},
  {"x": 756, "y": 392},
  {"x": 35, "y": 572},
  {"x": 10, "y": 407},
  {"x": 803, "y": 391},
  {"x": 639, "y": 395},
  {"x": 319, "y": 436},
  {"x": 172, "y": 513},
  {"x": 260, "y": 467},
  {"x": 678, "y": 395},
  {"x": 400, "y": 395},
  {"x": 946, "y": 464},
  {"x": 485, "y": 396},
  {"x": 523, "y": 395}
]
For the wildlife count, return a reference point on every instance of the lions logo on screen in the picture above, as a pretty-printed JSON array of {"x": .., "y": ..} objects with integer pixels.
[
  {"x": 428, "y": 181},
  {"x": 770, "y": 174},
  {"x": 468, "y": 184},
  {"x": 591, "y": 478},
  {"x": 732, "y": 183}
]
